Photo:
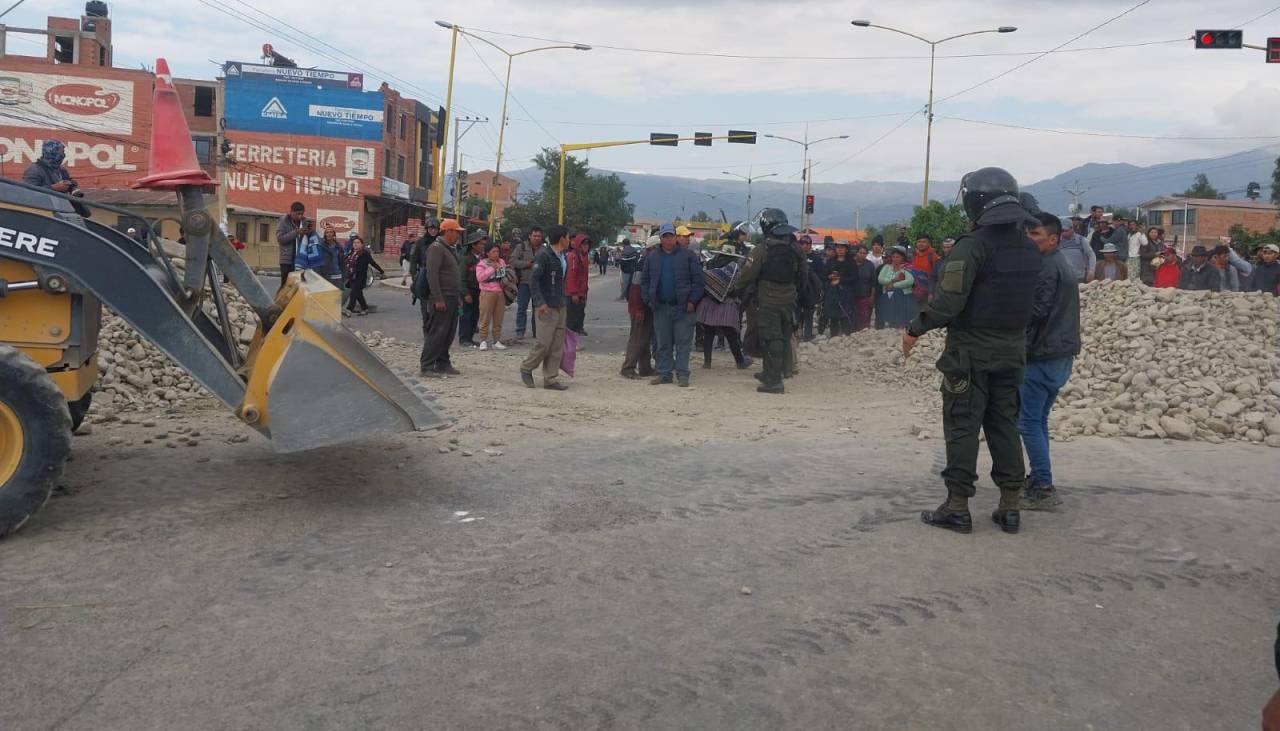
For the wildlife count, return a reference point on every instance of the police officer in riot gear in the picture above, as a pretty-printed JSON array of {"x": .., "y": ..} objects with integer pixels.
[
  {"x": 777, "y": 269},
  {"x": 984, "y": 300}
]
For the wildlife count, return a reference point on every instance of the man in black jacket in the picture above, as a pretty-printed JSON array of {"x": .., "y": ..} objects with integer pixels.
[
  {"x": 1053, "y": 341},
  {"x": 546, "y": 293}
]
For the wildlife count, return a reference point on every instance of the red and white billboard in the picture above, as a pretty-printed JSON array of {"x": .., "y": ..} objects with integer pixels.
[
  {"x": 329, "y": 176},
  {"x": 103, "y": 116}
]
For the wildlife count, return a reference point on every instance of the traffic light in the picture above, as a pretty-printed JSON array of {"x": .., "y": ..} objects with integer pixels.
[
  {"x": 1273, "y": 50},
  {"x": 1219, "y": 39},
  {"x": 462, "y": 185},
  {"x": 742, "y": 137},
  {"x": 664, "y": 138},
  {"x": 808, "y": 204},
  {"x": 441, "y": 116},
  {"x": 702, "y": 139}
]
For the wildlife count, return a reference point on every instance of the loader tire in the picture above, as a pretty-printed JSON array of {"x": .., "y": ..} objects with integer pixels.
[
  {"x": 35, "y": 438},
  {"x": 79, "y": 409}
]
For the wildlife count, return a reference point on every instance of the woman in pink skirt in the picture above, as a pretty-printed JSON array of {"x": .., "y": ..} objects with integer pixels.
[{"x": 721, "y": 318}]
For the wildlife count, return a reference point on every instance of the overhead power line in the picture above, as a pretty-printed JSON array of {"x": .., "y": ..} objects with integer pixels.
[
  {"x": 1055, "y": 49},
  {"x": 498, "y": 79},
  {"x": 871, "y": 144},
  {"x": 1118, "y": 135},
  {"x": 756, "y": 57},
  {"x": 662, "y": 125},
  {"x": 346, "y": 59},
  {"x": 1260, "y": 17}
]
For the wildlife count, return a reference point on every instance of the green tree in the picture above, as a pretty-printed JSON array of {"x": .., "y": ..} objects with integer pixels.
[
  {"x": 1252, "y": 239},
  {"x": 594, "y": 204},
  {"x": 937, "y": 220},
  {"x": 701, "y": 217},
  {"x": 1275, "y": 183},
  {"x": 1200, "y": 188},
  {"x": 475, "y": 207}
]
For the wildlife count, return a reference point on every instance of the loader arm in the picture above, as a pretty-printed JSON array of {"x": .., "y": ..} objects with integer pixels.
[{"x": 133, "y": 286}]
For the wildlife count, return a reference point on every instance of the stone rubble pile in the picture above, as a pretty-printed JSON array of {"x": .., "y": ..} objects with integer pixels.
[
  {"x": 1155, "y": 363},
  {"x": 136, "y": 376}
]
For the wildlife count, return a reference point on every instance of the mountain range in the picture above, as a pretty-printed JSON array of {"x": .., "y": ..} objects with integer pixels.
[{"x": 876, "y": 203}]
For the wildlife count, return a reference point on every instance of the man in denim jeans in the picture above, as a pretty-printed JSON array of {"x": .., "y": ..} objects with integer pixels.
[
  {"x": 673, "y": 285},
  {"x": 1053, "y": 341},
  {"x": 522, "y": 256}
]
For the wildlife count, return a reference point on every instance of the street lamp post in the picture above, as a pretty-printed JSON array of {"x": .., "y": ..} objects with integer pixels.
[
  {"x": 750, "y": 179},
  {"x": 506, "y": 93},
  {"x": 448, "y": 119},
  {"x": 933, "y": 51},
  {"x": 804, "y": 216}
]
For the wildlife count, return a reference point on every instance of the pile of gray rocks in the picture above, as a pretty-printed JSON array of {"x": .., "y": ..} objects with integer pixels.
[{"x": 1155, "y": 363}]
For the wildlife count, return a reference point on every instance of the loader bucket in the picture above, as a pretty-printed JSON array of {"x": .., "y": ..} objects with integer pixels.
[{"x": 312, "y": 382}]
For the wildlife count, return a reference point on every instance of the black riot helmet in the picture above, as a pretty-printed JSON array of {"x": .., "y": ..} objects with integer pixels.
[
  {"x": 771, "y": 218},
  {"x": 985, "y": 189}
]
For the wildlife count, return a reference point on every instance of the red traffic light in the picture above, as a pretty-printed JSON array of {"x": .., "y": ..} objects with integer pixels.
[
  {"x": 808, "y": 204},
  {"x": 1273, "y": 50},
  {"x": 1219, "y": 39}
]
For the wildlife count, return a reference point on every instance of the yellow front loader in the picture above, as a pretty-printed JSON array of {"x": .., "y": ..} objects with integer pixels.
[{"x": 305, "y": 381}]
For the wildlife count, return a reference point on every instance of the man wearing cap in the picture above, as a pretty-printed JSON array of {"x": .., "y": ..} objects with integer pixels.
[
  {"x": 1266, "y": 275},
  {"x": 441, "y": 301},
  {"x": 1110, "y": 269},
  {"x": 673, "y": 285}
]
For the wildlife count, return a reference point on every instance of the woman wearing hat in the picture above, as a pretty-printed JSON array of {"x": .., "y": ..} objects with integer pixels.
[{"x": 897, "y": 306}]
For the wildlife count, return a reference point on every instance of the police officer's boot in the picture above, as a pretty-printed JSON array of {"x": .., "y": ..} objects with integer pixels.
[
  {"x": 952, "y": 515},
  {"x": 1006, "y": 515}
]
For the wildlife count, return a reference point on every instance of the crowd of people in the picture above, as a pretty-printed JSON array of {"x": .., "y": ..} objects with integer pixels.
[{"x": 1108, "y": 249}]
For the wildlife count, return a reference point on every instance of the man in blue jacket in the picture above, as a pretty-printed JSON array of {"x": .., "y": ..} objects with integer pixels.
[{"x": 673, "y": 286}]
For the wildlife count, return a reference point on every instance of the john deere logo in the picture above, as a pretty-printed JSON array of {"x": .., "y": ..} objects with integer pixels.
[{"x": 274, "y": 110}]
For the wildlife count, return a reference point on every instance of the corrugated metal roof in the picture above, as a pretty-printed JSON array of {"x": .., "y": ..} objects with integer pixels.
[{"x": 1211, "y": 202}]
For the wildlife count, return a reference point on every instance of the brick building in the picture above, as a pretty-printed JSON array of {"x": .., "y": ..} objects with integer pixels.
[
  {"x": 1203, "y": 220},
  {"x": 478, "y": 185},
  {"x": 67, "y": 89}
]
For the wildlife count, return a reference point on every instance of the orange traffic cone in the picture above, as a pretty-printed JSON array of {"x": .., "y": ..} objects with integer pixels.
[{"x": 173, "y": 156}]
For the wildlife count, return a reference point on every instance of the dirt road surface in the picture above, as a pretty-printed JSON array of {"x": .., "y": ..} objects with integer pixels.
[{"x": 628, "y": 556}]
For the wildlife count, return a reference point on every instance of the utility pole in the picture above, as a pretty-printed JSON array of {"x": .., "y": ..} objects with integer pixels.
[
  {"x": 458, "y": 134},
  {"x": 221, "y": 157},
  {"x": 1075, "y": 191}
]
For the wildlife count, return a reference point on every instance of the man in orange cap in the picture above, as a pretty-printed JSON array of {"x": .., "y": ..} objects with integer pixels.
[{"x": 441, "y": 301}]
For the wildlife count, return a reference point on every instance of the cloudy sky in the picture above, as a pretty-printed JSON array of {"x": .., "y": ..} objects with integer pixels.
[{"x": 1126, "y": 73}]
